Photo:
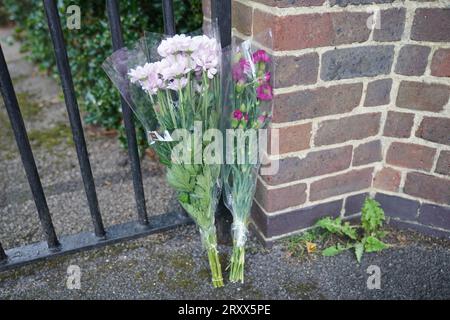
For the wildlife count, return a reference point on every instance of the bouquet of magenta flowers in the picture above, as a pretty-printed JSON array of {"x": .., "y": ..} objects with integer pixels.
[
  {"x": 174, "y": 87},
  {"x": 247, "y": 118}
]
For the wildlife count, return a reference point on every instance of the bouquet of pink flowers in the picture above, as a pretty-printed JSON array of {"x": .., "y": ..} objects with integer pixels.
[
  {"x": 250, "y": 89},
  {"x": 174, "y": 87}
]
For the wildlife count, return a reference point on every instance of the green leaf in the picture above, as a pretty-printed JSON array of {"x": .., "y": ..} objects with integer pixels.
[
  {"x": 183, "y": 197},
  {"x": 372, "y": 216},
  {"x": 180, "y": 179},
  {"x": 337, "y": 227},
  {"x": 334, "y": 250},
  {"x": 373, "y": 244},
  {"x": 359, "y": 250}
]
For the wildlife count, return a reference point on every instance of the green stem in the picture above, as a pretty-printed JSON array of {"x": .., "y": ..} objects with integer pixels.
[
  {"x": 216, "y": 269},
  {"x": 209, "y": 240},
  {"x": 170, "y": 107},
  {"x": 237, "y": 264}
]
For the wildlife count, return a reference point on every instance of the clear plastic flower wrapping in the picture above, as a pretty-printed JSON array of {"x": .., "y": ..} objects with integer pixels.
[
  {"x": 173, "y": 84},
  {"x": 247, "y": 111}
]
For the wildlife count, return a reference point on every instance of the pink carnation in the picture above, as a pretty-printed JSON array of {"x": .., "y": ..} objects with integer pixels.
[
  {"x": 237, "y": 114},
  {"x": 264, "y": 92},
  {"x": 260, "y": 56}
]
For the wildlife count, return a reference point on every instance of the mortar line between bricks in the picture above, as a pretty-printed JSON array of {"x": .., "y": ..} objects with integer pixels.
[
  {"x": 352, "y": 155},
  {"x": 372, "y": 30},
  {"x": 327, "y": 8},
  {"x": 429, "y": 61},
  {"x": 307, "y": 192},
  {"x": 344, "y": 203},
  {"x": 436, "y": 160},
  {"x": 447, "y": 107},
  {"x": 364, "y": 94},
  {"x": 314, "y": 128},
  {"x": 402, "y": 181}
]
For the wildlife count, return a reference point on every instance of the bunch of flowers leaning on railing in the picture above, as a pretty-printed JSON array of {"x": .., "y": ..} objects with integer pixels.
[
  {"x": 174, "y": 88},
  {"x": 250, "y": 89}
]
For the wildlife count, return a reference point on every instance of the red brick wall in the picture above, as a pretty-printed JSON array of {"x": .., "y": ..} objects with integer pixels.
[{"x": 360, "y": 111}]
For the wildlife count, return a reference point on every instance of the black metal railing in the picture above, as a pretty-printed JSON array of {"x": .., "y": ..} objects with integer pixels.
[{"x": 221, "y": 9}]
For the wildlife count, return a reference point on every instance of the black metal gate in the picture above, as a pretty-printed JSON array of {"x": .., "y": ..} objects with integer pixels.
[{"x": 54, "y": 245}]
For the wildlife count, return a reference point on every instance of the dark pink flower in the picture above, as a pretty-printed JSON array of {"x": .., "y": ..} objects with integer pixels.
[
  {"x": 237, "y": 114},
  {"x": 246, "y": 116},
  {"x": 260, "y": 56},
  {"x": 264, "y": 92}
]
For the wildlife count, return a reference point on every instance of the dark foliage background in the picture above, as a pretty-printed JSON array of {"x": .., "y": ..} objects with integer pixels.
[
  {"x": 3, "y": 14},
  {"x": 89, "y": 46}
]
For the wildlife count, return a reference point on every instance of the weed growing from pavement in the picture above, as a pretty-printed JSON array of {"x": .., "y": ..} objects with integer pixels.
[{"x": 333, "y": 236}]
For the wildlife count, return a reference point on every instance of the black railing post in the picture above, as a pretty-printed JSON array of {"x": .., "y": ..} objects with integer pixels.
[
  {"x": 117, "y": 41},
  {"x": 3, "y": 256},
  {"x": 62, "y": 61},
  {"x": 15, "y": 117},
  {"x": 221, "y": 10},
  {"x": 168, "y": 16}
]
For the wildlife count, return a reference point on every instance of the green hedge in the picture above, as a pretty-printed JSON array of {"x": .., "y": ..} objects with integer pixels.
[
  {"x": 89, "y": 46},
  {"x": 3, "y": 14}
]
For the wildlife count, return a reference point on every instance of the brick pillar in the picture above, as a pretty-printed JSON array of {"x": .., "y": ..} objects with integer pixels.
[{"x": 361, "y": 110}]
